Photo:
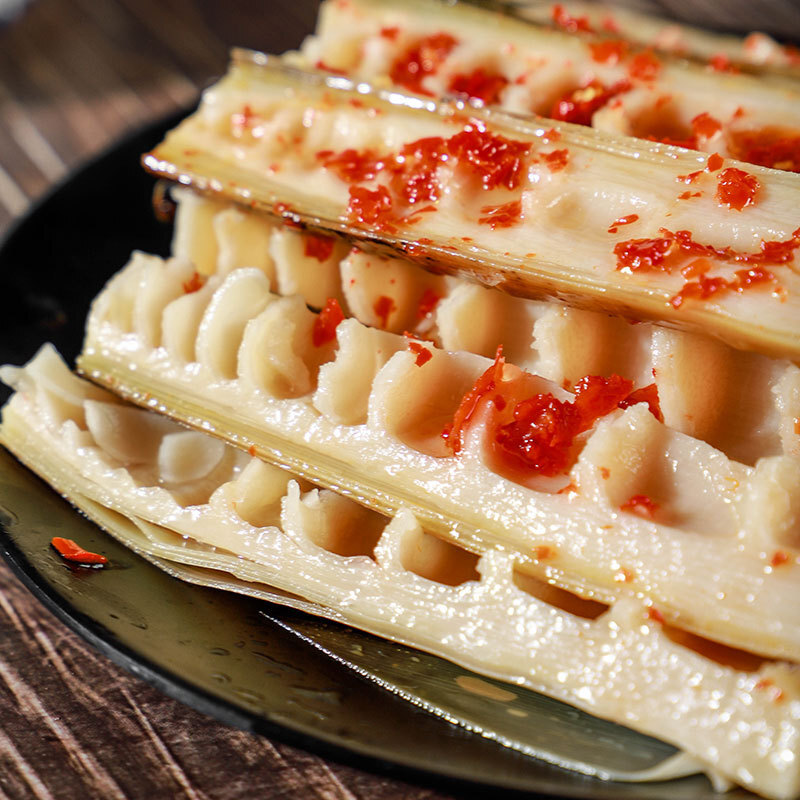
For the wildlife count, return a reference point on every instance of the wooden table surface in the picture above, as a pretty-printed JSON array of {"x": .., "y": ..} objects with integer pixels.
[{"x": 74, "y": 76}]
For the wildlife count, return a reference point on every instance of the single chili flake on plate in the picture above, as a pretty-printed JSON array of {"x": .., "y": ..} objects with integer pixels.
[{"x": 72, "y": 551}]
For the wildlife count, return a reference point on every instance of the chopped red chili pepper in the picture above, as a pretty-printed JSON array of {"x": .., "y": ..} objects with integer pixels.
[
  {"x": 736, "y": 188},
  {"x": 427, "y": 303},
  {"x": 327, "y": 321},
  {"x": 778, "y": 558},
  {"x": 327, "y": 68},
  {"x": 319, "y": 246},
  {"x": 383, "y": 308},
  {"x": 496, "y": 159},
  {"x": 390, "y": 33},
  {"x": 773, "y": 147},
  {"x": 626, "y": 220},
  {"x": 556, "y": 160},
  {"x": 371, "y": 207},
  {"x": 422, "y": 353},
  {"x": 715, "y": 161},
  {"x": 571, "y": 24},
  {"x": 579, "y": 105},
  {"x": 610, "y": 51},
  {"x": 502, "y": 216},
  {"x": 480, "y": 85},
  {"x": 421, "y": 60},
  {"x": 72, "y": 551},
  {"x": 195, "y": 283},
  {"x": 453, "y": 434},
  {"x": 644, "y": 66},
  {"x": 647, "y": 394},
  {"x": 705, "y": 125},
  {"x": 353, "y": 166},
  {"x": 721, "y": 63},
  {"x": 654, "y": 614}
]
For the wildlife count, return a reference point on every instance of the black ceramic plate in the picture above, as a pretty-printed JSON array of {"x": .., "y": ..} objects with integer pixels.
[{"x": 217, "y": 652}]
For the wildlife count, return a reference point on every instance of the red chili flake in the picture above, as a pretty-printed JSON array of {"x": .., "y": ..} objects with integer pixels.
[
  {"x": 610, "y": 51},
  {"x": 72, "y": 551},
  {"x": 773, "y": 147},
  {"x": 609, "y": 24},
  {"x": 654, "y": 614},
  {"x": 390, "y": 33},
  {"x": 319, "y": 246},
  {"x": 541, "y": 436},
  {"x": 571, "y": 24},
  {"x": 697, "y": 267},
  {"x": 626, "y": 220},
  {"x": 579, "y": 105},
  {"x": 645, "y": 255},
  {"x": 327, "y": 321},
  {"x": 551, "y": 135},
  {"x": 252, "y": 450},
  {"x": 556, "y": 160},
  {"x": 736, "y": 188},
  {"x": 383, "y": 308},
  {"x": 480, "y": 85},
  {"x": 422, "y": 353},
  {"x": 371, "y": 207},
  {"x": 647, "y": 394},
  {"x": 327, "y": 68},
  {"x": 644, "y": 66},
  {"x": 542, "y": 552},
  {"x": 453, "y": 434},
  {"x": 778, "y": 558},
  {"x": 687, "y": 194},
  {"x": 352, "y": 166},
  {"x": 421, "y": 60},
  {"x": 640, "y": 504},
  {"x": 605, "y": 473},
  {"x": 502, "y": 216},
  {"x": 649, "y": 254},
  {"x": 495, "y": 158},
  {"x": 427, "y": 303},
  {"x": 195, "y": 283},
  {"x": 414, "y": 171},
  {"x": 705, "y": 125},
  {"x": 243, "y": 120},
  {"x": 690, "y": 178},
  {"x": 704, "y": 287},
  {"x": 715, "y": 161},
  {"x": 721, "y": 63}
]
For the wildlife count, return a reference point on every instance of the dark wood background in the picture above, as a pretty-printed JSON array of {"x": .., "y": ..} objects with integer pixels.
[{"x": 74, "y": 76}]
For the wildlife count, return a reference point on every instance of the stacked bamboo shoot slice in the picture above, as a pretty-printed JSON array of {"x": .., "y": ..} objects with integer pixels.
[{"x": 522, "y": 340}]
